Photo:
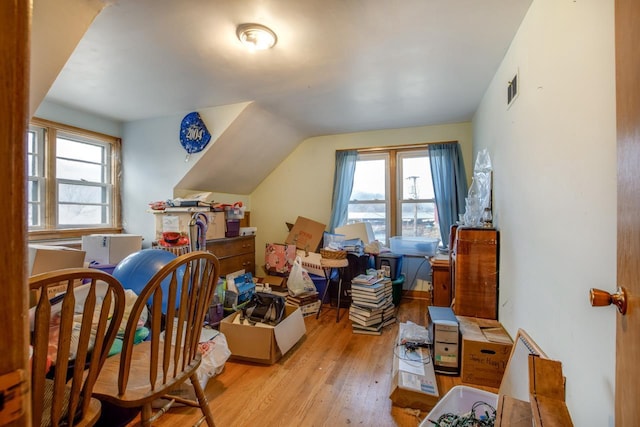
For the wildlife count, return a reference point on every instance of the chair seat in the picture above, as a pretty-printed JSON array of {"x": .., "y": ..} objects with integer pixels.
[
  {"x": 91, "y": 416},
  {"x": 138, "y": 390}
]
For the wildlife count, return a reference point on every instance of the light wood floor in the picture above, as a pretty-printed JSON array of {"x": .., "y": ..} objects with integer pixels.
[{"x": 330, "y": 378}]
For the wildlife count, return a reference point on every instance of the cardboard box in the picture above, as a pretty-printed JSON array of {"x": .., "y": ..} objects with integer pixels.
[
  {"x": 358, "y": 230},
  {"x": 110, "y": 248},
  {"x": 45, "y": 258},
  {"x": 262, "y": 343},
  {"x": 216, "y": 225},
  {"x": 179, "y": 221},
  {"x": 306, "y": 234},
  {"x": 413, "y": 384},
  {"x": 486, "y": 347},
  {"x": 278, "y": 283}
]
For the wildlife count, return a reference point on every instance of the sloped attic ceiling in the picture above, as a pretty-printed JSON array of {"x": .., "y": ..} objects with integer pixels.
[
  {"x": 338, "y": 67},
  {"x": 244, "y": 155}
]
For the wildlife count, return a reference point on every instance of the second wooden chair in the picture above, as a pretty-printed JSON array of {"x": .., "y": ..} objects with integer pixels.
[{"x": 145, "y": 372}]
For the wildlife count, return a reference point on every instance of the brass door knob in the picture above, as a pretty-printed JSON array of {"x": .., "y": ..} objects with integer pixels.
[{"x": 600, "y": 298}]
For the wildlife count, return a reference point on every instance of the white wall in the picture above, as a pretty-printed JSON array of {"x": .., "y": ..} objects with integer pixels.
[
  {"x": 554, "y": 158},
  {"x": 56, "y": 28},
  {"x": 61, "y": 114},
  {"x": 302, "y": 185},
  {"x": 154, "y": 162}
]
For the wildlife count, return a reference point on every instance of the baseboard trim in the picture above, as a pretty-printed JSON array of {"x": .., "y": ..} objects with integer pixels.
[{"x": 413, "y": 294}]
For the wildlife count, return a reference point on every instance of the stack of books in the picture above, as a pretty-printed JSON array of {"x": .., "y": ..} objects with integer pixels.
[
  {"x": 389, "y": 310},
  {"x": 368, "y": 303},
  {"x": 308, "y": 302}
]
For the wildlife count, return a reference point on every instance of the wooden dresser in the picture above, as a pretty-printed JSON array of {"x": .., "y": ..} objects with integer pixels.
[
  {"x": 474, "y": 272},
  {"x": 234, "y": 253}
]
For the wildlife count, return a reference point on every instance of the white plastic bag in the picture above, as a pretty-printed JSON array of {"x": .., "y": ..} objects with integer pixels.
[
  {"x": 299, "y": 280},
  {"x": 215, "y": 353}
]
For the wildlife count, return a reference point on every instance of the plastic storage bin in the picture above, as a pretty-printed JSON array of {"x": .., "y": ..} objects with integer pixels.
[
  {"x": 393, "y": 261},
  {"x": 459, "y": 401},
  {"x": 320, "y": 283},
  {"x": 415, "y": 246},
  {"x": 233, "y": 228},
  {"x": 397, "y": 290}
]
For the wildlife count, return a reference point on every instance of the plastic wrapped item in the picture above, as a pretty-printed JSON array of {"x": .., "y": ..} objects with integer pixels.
[
  {"x": 416, "y": 334},
  {"x": 478, "y": 201}
]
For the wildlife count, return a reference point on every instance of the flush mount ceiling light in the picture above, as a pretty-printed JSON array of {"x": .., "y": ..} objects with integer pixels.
[{"x": 256, "y": 36}]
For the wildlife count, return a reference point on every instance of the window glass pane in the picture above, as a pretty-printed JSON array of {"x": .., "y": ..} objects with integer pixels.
[
  {"x": 79, "y": 150},
  {"x": 416, "y": 178},
  {"x": 32, "y": 170},
  {"x": 79, "y": 171},
  {"x": 373, "y": 213},
  {"x": 419, "y": 220},
  {"x": 81, "y": 215},
  {"x": 31, "y": 142},
  {"x": 72, "y": 193},
  {"x": 33, "y": 191},
  {"x": 369, "y": 180},
  {"x": 33, "y": 214}
]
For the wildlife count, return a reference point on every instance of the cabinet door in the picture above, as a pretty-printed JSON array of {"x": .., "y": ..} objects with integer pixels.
[
  {"x": 475, "y": 272},
  {"x": 441, "y": 281}
]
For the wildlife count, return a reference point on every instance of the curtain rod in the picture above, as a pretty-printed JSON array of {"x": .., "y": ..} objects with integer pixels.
[{"x": 396, "y": 147}]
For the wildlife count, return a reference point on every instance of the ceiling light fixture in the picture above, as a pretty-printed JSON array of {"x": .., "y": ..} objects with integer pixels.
[{"x": 256, "y": 36}]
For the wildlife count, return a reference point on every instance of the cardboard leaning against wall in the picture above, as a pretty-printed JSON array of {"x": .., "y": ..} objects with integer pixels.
[{"x": 306, "y": 234}]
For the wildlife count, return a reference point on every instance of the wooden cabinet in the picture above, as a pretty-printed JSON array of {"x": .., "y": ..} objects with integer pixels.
[
  {"x": 474, "y": 272},
  {"x": 441, "y": 281},
  {"x": 234, "y": 253}
]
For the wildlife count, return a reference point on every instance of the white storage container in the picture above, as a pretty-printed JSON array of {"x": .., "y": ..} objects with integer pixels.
[
  {"x": 459, "y": 401},
  {"x": 416, "y": 246}
]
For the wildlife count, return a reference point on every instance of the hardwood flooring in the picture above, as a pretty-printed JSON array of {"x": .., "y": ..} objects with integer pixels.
[{"x": 332, "y": 377}]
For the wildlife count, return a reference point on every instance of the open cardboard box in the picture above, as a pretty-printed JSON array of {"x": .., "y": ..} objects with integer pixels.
[
  {"x": 486, "y": 347},
  {"x": 262, "y": 343},
  {"x": 45, "y": 258}
]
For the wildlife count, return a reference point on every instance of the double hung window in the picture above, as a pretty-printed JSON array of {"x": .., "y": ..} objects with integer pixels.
[
  {"x": 72, "y": 181},
  {"x": 393, "y": 191}
]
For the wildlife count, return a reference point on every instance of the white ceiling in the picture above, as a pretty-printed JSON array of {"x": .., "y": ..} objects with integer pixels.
[{"x": 339, "y": 65}]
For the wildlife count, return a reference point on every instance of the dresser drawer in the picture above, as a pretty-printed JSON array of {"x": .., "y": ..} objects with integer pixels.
[
  {"x": 232, "y": 246},
  {"x": 244, "y": 262},
  {"x": 234, "y": 253}
]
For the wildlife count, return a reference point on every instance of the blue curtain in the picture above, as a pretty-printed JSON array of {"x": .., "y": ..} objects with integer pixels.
[
  {"x": 342, "y": 186},
  {"x": 449, "y": 183}
]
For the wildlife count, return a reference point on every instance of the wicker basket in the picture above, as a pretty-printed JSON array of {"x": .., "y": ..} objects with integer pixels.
[{"x": 331, "y": 254}]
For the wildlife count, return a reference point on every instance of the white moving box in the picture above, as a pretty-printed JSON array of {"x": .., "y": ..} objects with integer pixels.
[{"x": 110, "y": 248}]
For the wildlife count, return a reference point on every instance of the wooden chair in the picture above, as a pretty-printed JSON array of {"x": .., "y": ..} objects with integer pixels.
[
  {"x": 61, "y": 387},
  {"x": 144, "y": 372}
]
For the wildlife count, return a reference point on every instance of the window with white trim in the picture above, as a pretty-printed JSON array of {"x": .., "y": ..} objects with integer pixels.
[{"x": 72, "y": 181}]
